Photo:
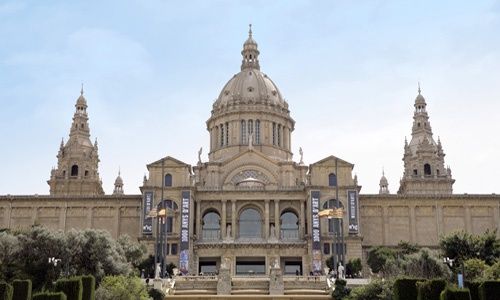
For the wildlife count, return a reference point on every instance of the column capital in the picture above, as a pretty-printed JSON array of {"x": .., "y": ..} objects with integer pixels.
[
  {"x": 266, "y": 200},
  {"x": 233, "y": 200},
  {"x": 224, "y": 200}
]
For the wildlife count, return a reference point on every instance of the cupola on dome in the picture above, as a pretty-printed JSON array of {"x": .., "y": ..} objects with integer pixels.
[{"x": 250, "y": 85}]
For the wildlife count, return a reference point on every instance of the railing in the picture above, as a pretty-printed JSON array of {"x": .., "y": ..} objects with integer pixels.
[
  {"x": 289, "y": 234},
  {"x": 210, "y": 234},
  {"x": 196, "y": 278}
]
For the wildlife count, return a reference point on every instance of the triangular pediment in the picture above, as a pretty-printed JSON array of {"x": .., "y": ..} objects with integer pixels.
[
  {"x": 330, "y": 161},
  {"x": 168, "y": 161}
]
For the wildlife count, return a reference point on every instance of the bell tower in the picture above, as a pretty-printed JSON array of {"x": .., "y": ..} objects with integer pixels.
[
  {"x": 424, "y": 168},
  {"x": 77, "y": 160}
]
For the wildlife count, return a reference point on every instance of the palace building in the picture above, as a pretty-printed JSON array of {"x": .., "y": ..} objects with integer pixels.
[{"x": 251, "y": 207}]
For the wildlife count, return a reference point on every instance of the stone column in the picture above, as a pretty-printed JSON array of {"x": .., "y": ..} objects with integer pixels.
[
  {"x": 90, "y": 217},
  {"x": 302, "y": 218},
  {"x": 198, "y": 219},
  {"x": 223, "y": 221},
  {"x": 62, "y": 217},
  {"x": 277, "y": 224},
  {"x": 117, "y": 224},
  {"x": 385, "y": 224},
  {"x": 276, "y": 285},
  {"x": 468, "y": 219},
  {"x": 233, "y": 218},
  {"x": 439, "y": 220},
  {"x": 266, "y": 218},
  {"x": 413, "y": 227}
]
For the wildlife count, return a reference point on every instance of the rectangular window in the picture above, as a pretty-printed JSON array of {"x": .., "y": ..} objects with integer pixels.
[
  {"x": 174, "y": 249},
  {"x": 169, "y": 224},
  {"x": 326, "y": 248},
  {"x": 257, "y": 132},
  {"x": 243, "y": 132},
  {"x": 279, "y": 135}
]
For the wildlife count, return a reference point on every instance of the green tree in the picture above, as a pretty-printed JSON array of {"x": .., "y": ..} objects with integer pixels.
[
  {"x": 462, "y": 246},
  {"x": 353, "y": 267},
  {"x": 341, "y": 291},
  {"x": 9, "y": 246},
  {"x": 133, "y": 251},
  {"x": 424, "y": 265},
  {"x": 378, "y": 256},
  {"x": 407, "y": 248},
  {"x": 493, "y": 271},
  {"x": 474, "y": 269},
  {"x": 121, "y": 288}
]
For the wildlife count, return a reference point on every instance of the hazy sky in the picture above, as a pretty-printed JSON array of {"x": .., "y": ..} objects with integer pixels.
[{"x": 152, "y": 69}]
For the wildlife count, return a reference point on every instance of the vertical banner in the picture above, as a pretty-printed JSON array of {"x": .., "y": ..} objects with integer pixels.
[
  {"x": 352, "y": 197},
  {"x": 184, "y": 247},
  {"x": 147, "y": 221},
  {"x": 316, "y": 241}
]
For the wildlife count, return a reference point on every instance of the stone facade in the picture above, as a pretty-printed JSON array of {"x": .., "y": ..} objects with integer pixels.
[{"x": 251, "y": 208}]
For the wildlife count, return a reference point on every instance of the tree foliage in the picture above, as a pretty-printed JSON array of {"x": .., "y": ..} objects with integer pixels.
[
  {"x": 462, "y": 246},
  {"x": 378, "y": 256},
  {"x": 25, "y": 254},
  {"x": 121, "y": 288},
  {"x": 375, "y": 290}
]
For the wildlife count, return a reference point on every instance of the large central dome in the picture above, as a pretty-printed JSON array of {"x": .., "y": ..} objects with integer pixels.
[
  {"x": 250, "y": 86},
  {"x": 250, "y": 113}
]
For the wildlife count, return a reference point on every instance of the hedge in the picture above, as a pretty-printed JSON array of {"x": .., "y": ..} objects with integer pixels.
[
  {"x": 5, "y": 291},
  {"x": 430, "y": 289},
  {"x": 455, "y": 294},
  {"x": 50, "y": 296},
  {"x": 473, "y": 287},
  {"x": 489, "y": 290},
  {"x": 22, "y": 290},
  {"x": 88, "y": 284},
  {"x": 72, "y": 287},
  {"x": 406, "y": 288}
]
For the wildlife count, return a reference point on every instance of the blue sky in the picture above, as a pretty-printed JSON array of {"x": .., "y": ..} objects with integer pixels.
[{"x": 152, "y": 69}]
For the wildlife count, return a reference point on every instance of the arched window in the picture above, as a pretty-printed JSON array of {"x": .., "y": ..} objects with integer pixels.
[
  {"x": 257, "y": 132},
  {"x": 167, "y": 221},
  {"x": 168, "y": 180},
  {"x": 279, "y": 135},
  {"x": 222, "y": 135},
  {"x": 250, "y": 224},
  {"x": 333, "y": 224},
  {"x": 216, "y": 136},
  {"x": 243, "y": 132},
  {"x": 274, "y": 134},
  {"x": 250, "y": 128},
  {"x": 211, "y": 226},
  {"x": 289, "y": 226},
  {"x": 427, "y": 169},
  {"x": 332, "y": 179},
  {"x": 74, "y": 170}
]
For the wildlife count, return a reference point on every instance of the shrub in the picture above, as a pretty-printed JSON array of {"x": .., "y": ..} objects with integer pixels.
[
  {"x": 353, "y": 267},
  {"x": 473, "y": 287},
  {"x": 72, "y": 287},
  {"x": 50, "y": 296},
  {"x": 474, "y": 268},
  {"x": 22, "y": 290},
  {"x": 405, "y": 289},
  {"x": 493, "y": 272},
  {"x": 430, "y": 289},
  {"x": 121, "y": 288},
  {"x": 489, "y": 290},
  {"x": 5, "y": 291},
  {"x": 378, "y": 256},
  {"x": 88, "y": 285},
  {"x": 455, "y": 294},
  {"x": 156, "y": 294},
  {"x": 341, "y": 291},
  {"x": 380, "y": 290}
]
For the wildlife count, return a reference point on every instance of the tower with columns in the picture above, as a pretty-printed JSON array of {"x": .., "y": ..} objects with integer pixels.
[
  {"x": 77, "y": 160},
  {"x": 424, "y": 168}
]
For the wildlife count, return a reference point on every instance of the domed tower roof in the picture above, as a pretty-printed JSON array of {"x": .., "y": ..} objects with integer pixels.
[
  {"x": 250, "y": 113},
  {"x": 118, "y": 185},
  {"x": 384, "y": 184},
  {"x": 250, "y": 85}
]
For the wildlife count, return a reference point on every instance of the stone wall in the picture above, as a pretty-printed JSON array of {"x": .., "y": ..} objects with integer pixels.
[
  {"x": 116, "y": 214},
  {"x": 388, "y": 219}
]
